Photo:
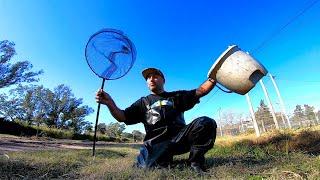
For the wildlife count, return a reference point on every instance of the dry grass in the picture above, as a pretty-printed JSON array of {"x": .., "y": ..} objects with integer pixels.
[
  {"x": 275, "y": 155},
  {"x": 306, "y": 140}
]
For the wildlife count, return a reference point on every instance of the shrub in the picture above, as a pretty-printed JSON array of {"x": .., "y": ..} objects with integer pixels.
[{"x": 20, "y": 128}]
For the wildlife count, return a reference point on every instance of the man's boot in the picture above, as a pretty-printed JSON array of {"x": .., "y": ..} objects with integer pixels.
[{"x": 197, "y": 160}]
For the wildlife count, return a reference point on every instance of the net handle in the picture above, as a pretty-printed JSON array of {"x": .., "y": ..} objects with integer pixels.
[{"x": 96, "y": 125}]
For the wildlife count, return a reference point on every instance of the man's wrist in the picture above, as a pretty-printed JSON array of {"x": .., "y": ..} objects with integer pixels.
[{"x": 211, "y": 80}]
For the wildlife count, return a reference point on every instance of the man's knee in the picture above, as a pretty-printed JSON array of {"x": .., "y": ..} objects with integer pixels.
[
  {"x": 204, "y": 132},
  {"x": 207, "y": 122}
]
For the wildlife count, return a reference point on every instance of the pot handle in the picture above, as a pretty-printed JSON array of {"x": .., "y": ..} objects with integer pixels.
[{"x": 226, "y": 91}]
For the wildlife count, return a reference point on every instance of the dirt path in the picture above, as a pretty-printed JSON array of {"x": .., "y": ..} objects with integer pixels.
[{"x": 14, "y": 143}]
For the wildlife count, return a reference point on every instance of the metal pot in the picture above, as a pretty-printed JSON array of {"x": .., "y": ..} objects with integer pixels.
[{"x": 237, "y": 70}]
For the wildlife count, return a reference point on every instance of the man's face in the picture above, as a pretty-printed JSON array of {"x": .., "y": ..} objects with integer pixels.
[{"x": 155, "y": 83}]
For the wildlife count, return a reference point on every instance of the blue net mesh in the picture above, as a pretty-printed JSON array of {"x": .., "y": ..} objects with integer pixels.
[{"x": 110, "y": 54}]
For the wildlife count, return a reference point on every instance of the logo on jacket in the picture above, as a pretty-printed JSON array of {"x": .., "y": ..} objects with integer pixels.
[{"x": 153, "y": 113}]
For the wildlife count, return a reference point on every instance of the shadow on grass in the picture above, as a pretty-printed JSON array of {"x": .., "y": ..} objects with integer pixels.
[
  {"x": 212, "y": 162},
  {"x": 104, "y": 153},
  {"x": 64, "y": 165},
  {"x": 308, "y": 141},
  {"x": 22, "y": 170},
  {"x": 120, "y": 145},
  {"x": 230, "y": 161},
  {"x": 83, "y": 154}
]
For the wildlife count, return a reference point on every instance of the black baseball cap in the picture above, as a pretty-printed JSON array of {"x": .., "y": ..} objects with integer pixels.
[{"x": 146, "y": 72}]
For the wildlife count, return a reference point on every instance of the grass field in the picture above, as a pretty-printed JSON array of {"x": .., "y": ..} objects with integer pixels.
[{"x": 276, "y": 155}]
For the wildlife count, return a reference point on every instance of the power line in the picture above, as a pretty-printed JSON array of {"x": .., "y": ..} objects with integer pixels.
[
  {"x": 202, "y": 104},
  {"x": 294, "y": 80},
  {"x": 211, "y": 96},
  {"x": 299, "y": 81},
  {"x": 276, "y": 32}
]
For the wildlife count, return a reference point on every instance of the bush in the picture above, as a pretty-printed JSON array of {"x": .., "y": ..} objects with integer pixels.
[
  {"x": 125, "y": 140},
  {"x": 106, "y": 138},
  {"x": 58, "y": 133},
  {"x": 22, "y": 129},
  {"x": 77, "y": 136},
  {"x": 14, "y": 128}
]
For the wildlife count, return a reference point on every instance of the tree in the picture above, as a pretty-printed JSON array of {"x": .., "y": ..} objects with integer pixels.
[
  {"x": 137, "y": 135},
  {"x": 37, "y": 105},
  {"x": 64, "y": 110},
  {"x": 229, "y": 117},
  {"x": 127, "y": 135},
  {"x": 9, "y": 108},
  {"x": 58, "y": 100},
  {"x": 88, "y": 128},
  {"x": 115, "y": 129},
  {"x": 232, "y": 122},
  {"x": 309, "y": 112},
  {"x": 14, "y": 73},
  {"x": 101, "y": 127},
  {"x": 31, "y": 102},
  {"x": 77, "y": 118},
  {"x": 263, "y": 116},
  {"x": 298, "y": 115}
]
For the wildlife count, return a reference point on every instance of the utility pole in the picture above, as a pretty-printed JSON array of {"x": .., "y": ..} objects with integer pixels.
[
  {"x": 241, "y": 129},
  {"x": 283, "y": 119},
  {"x": 270, "y": 104},
  {"x": 255, "y": 124},
  {"x": 316, "y": 115},
  {"x": 280, "y": 100},
  {"x": 220, "y": 120}
]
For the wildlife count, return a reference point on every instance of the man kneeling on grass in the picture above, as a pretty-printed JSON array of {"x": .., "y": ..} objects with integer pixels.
[{"x": 161, "y": 113}]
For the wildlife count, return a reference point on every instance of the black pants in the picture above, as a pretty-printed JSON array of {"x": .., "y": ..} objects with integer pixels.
[{"x": 197, "y": 138}]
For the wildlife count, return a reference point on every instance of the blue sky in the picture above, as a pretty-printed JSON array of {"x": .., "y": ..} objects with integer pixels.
[{"x": 181, "y": 38}]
